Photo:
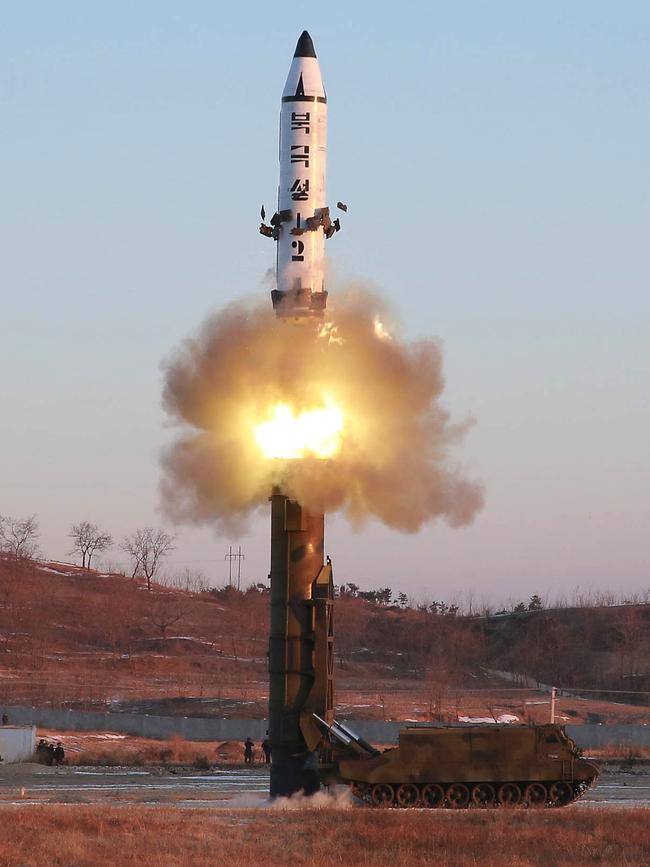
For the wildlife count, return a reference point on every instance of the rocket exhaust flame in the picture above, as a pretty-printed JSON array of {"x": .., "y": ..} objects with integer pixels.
[
  {"x": 336, "y": 415},
  {"x": 288, "y": 435}
]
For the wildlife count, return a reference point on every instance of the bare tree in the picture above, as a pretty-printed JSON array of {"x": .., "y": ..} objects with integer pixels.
[
  {"x": 146, "y": 548},
  {"x": 18, "y": 536},
  {"x": 165, "y": 614},
  {"x": 87, "y": 539},
  {"x": 133, "y": 546}
]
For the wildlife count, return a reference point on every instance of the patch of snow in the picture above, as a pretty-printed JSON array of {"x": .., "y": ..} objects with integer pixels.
[
  {"x": 182, "y": 638},
  {"x": 507, "y": 718},
  {"x": 103, "y": 737},
  {"x": 476, "y": 719}
]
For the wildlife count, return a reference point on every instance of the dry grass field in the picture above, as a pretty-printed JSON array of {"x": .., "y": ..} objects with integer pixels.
[
  {"x": 107, "y": 748},
  {"x": 85, "y": 837}
]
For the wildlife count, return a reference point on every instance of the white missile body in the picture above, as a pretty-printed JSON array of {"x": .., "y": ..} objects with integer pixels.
[{"x": 302, "y": 221}]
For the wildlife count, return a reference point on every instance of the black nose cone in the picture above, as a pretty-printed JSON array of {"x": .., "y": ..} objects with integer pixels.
[{"x": 305, "y": 47}]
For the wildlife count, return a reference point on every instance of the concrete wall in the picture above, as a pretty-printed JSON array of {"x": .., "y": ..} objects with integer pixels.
[
  {"x": 143, "y": 725},
  {"x": 17, "y": 743},
  {"x": 205, "y": 729},
  {"x": 590, "y": 736}
]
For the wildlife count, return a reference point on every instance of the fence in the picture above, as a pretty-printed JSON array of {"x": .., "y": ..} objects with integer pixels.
[{"x": 206, "y": 729}]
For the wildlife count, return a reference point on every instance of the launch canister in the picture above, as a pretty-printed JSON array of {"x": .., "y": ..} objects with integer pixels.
[{"x": 302, "y": 221}]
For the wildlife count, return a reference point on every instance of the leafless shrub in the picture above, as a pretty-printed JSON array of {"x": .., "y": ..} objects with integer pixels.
[
  {"x": 166, "y": 613},
  {"x": 190, "y": 580}
]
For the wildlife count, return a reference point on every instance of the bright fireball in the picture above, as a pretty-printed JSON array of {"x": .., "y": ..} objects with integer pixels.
[{"x": 310, "y": 433}]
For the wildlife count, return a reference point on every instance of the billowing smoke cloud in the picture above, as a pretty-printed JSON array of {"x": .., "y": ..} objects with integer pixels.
[{"x": 393, "y": 460}]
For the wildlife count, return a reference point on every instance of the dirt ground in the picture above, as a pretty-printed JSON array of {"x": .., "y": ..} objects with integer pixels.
[{"x": 186, "y": 786}]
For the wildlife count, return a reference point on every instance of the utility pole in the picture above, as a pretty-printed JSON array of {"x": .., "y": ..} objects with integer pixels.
[
  {"x": 230, "y": 557},
  {"x": 240, "y": 557},
  {"x": 553, "y": 697}
]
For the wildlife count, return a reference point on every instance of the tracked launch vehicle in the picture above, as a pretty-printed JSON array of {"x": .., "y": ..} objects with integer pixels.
[
  {"x": 460, "y": 766},
  {"x": 454, "y": 766}
]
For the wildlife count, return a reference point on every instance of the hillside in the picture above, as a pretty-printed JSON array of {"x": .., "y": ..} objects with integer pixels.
[{"x": 76, "y": 638}]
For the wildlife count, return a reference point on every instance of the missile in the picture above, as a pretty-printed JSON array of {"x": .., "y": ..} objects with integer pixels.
[{"x": 302, "y": 221}]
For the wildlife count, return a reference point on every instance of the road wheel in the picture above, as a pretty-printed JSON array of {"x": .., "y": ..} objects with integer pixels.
[
  {"x": 457, "y": 796},
  {"x": 560, "y": 794},
  {"x": 382, "y": 795},
  {"x": 433, "y": 795},
  {"x": 483, "y": 795},
  {"x": 408, "y": 795},
  {"x": 360, "y": 791},
  {"x": 536, "y": 795},
  {"x": 509, "y": 795}
]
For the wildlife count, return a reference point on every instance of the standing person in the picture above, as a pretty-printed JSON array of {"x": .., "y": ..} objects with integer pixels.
[
  {"x": 59, "y": 753},
  {"x": 248, "y": 751},
  {"x": 5, "y": 719},
  {"x": 266, "y": 749}
]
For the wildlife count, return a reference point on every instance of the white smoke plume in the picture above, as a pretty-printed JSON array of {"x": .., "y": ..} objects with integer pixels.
[
  {"x": 338, "y": 798},
  {"x": 393, "y": 460}
]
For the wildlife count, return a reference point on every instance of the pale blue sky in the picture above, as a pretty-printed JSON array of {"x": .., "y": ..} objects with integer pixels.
[{"x": 495, "y": 158}]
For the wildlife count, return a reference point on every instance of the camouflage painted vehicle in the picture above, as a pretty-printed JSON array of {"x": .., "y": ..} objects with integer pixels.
[{"x": 464, "y": 766}]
